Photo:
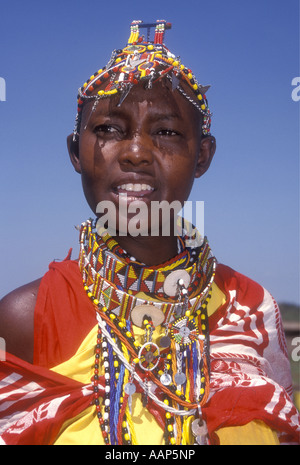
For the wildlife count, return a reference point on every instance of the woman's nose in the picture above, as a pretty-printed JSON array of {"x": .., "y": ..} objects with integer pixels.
[{"x": 137, "y": 151}]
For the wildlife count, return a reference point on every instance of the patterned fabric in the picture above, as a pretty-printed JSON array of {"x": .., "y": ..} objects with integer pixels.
[{"x": 250, "y": 374}]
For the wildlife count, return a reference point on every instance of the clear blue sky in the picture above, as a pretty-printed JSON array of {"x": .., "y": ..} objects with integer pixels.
[{"x": 247, "y": 51}]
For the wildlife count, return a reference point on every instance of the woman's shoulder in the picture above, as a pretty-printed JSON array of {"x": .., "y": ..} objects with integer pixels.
[{"x": 17, "y": 320}]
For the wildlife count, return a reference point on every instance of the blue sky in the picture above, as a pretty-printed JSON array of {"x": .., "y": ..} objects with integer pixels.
[{"x": 247, "y": 51}]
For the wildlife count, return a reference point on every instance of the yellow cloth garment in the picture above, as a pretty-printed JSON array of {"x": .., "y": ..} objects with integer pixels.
[{"x": 84, "y": 428}]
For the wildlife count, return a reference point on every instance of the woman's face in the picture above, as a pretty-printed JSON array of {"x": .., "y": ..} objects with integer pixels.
[{"x": 149, "y": 148}]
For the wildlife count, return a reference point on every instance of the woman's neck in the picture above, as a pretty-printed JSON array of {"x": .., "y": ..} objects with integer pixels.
[{"x": 150, "y": 250}]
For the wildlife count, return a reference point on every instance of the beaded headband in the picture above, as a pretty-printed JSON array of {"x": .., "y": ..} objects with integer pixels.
[{"x": 145, "y": 61}]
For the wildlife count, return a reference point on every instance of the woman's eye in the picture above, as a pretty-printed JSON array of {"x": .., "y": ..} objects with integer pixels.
[
  {"x": 167, "y": 132},
  {"x": 106, "y": 130}
]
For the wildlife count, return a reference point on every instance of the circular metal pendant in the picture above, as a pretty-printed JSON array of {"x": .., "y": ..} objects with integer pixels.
[
  {"x": 171, "y": 282},
  {"x": 180, "y": 379},
  {"x": 165, "y": 379},
  {"x": 184, "y": 331},
  {"x": 149, "y": 356},
  {"x": 140, "y": 311},
  {"x": 129, "y": 389}
]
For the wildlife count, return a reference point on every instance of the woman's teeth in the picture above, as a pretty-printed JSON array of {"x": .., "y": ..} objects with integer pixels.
[{"x": 135, "y": 187}]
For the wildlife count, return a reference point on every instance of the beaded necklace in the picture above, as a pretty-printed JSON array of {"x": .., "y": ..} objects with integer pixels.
[{"x": 171, "y": 373}]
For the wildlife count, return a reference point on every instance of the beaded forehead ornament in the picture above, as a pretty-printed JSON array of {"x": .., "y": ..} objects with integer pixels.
[{"x": 145, "y": 61}]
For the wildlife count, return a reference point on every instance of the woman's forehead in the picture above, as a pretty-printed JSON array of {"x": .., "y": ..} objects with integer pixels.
[{"x": 160, "y": 102}]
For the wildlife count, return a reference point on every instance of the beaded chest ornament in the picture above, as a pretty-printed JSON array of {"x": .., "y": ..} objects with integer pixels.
[
  {"x": 171, "y": 373},
  {"x": 144, "y": 61}
]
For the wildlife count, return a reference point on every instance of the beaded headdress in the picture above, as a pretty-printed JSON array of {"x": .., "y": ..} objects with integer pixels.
[{"x": 145, "y": 61}]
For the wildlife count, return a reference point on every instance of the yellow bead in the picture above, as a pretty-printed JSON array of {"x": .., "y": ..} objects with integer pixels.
[
  {"x": 160, "y": 372},
  {"x": 128, "y": 334},
  {"x": 100, "y": 71},
  {"x": 101, "y": 92},
  {"x": 170, "y": 428},
  {"x": 190, "y": 75},
  {"x": 126, "y": 437},
  {"x": 121, "y": 325},
  {"x": 166, "y": 402},
  {"x": 136, "y": 360},
  {"x": 85, "y": 85},
  {"x": 181, "y": 66},
  {"x": 203, "y": 327},
  {"x": 85, "y": 288},
  {"x": 117, "y": 375},
  {"x": 124, "y": 424},
  {"x": 176, "y": 63},
  {"x": 90, "y": 294},
  {"x": 96, "y": 301},
  {"x": 112, "y": 316},
  {"x": 177, "y": 392},
  {"x": 118, "y": 60},
  {"x": 92, "y": 77},
  {"x": 202, "y": 107},
  {"x": 104, "y": 309},
  {"x": 195, "y": 87},
  {"x": 187, "y": 313},
  {"x": 116, "y": 364},
  {"x": 201, "y": 391},
  {"x": 202, "y": 317},
  {"x": 202, "y": 379},
  {"x": 200, "y": 97},
  {"x": 169, "y": 356},
  {"x": 136, "y": 344},
  {"x": 168, "y": 415},
  {"x": 150, "y": 47},
  {"x": 173, "y": 441}
]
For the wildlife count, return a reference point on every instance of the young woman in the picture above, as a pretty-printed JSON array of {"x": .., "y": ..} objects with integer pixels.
[{"x": 145, "y": 339}]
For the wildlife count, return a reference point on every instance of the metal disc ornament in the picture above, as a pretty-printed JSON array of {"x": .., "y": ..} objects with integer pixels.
[
  {"x": 179, "y": 378},
  {"x": 129, "y": 389},
  {"x": 171, "y": 282},
  {"x": 140, "y": 311},
  {"x": 184, "y": 331},
  {"x": 165, "y": 379},
  {"x": 149, "y": 356}
]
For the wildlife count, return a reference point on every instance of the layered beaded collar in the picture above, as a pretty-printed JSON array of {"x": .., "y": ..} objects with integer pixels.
[{"x": 118, "y": 282}]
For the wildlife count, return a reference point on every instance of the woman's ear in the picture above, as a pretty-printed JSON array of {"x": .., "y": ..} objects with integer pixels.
[
  {"x": 207, "y": 151},
  {"x": 73, "y": 148}
]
